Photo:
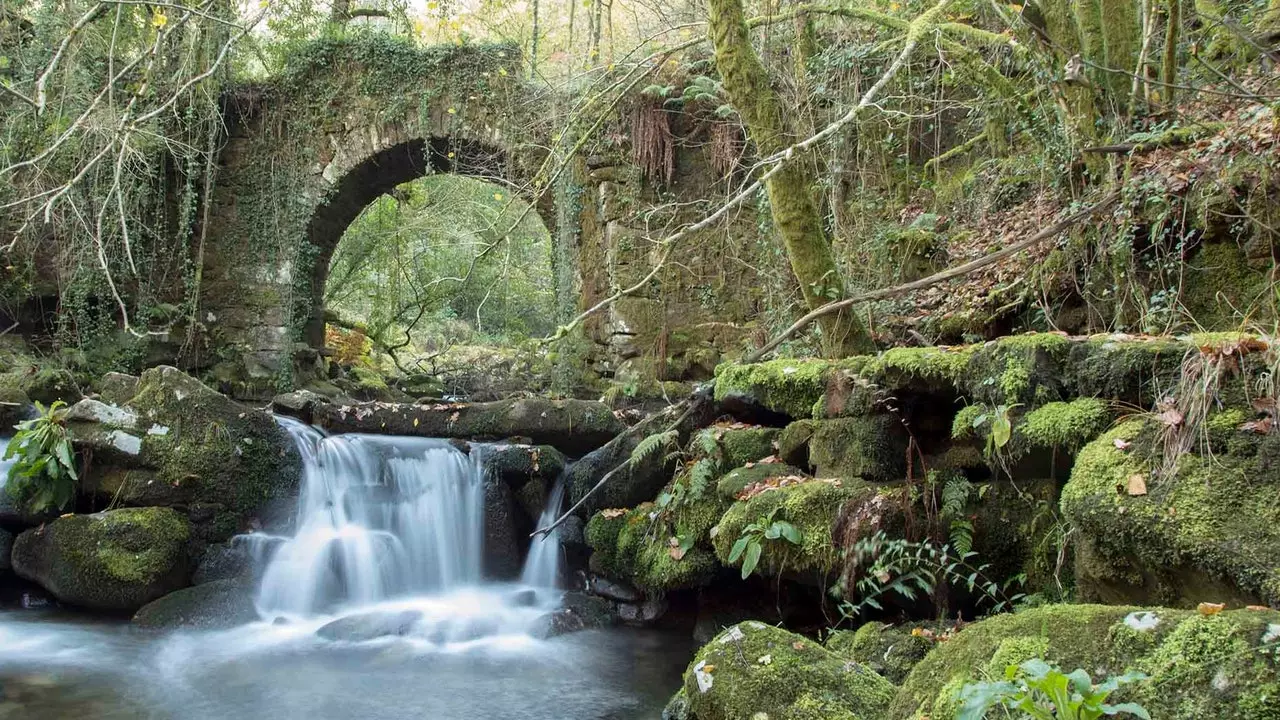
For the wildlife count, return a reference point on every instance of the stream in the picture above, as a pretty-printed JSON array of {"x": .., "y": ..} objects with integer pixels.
[{"x": 389, "y": 534}]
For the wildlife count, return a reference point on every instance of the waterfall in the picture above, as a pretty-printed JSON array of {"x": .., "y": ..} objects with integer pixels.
[
  {"x": 378, "y": 518},
  {"x": 542, "y": 567}
]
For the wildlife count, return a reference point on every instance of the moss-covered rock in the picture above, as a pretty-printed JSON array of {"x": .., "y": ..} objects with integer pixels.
[
  {"x": 812, "y": 507},
  {"x": 1063, "y": 425},
  {"x": 1125, "y": 369},
  {"x": 1219, "y": 666},
  {"x": 181, "y": 444},
  {"x": 891, "y": 650},
  {"x": 215, "y": 605},
  {"x": 787, "y": 387},
  {"x": 642, "y": 547},
  {"x": 1208, "y": 531},
  {"x": 793, "y": 442},
  {"x": 754, "y": 670},
  {"x": 1025, "y": 369},
  {"x": 926, "y": 369},
  {"x": 116, "y": 561},
  {"x": 873, "y": 448},
  {"x": 736, "y": 446},
  {"x": 738, "y": 479},
  {"x": 573, "y": 426}
]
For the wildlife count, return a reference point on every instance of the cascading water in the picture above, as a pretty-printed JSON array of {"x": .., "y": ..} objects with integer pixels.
[
  {"x": 378, "y": 518},
  {"x": 393, "y": 528},
  {"x": 542, "y": 567}
]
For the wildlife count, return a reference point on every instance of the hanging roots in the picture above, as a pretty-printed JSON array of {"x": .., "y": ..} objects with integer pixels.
[
  {"x": 653, "y": 147},
  {"x": 726, "y": 146}
]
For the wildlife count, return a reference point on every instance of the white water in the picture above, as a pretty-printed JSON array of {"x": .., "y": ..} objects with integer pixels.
[{"x": 542, "y": 566}]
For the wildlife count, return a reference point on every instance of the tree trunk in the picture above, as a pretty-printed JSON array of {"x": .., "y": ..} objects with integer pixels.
[{"x": 794, "y": 212}]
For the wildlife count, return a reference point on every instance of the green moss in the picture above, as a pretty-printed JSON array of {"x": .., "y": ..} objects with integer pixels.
[
  {"x": 1204, "y": 532},
  {"x": 1018, "y": 369},
  {"x": 638, "y": 547},
  {"x": 874, "y": 448},
  {"x": 1064, "y": 425},
  {"x": 1224, "y": 289},
  {"x": 602, "y": 537},
  {"x": 137, "y": 545},
  {"x": 736, "y": 480},
  {"x": 962, "y": 426},
  {"x": 1125, "y": 369},
  {"x": 936, "y": 368},
  {"x": 890, "y": 650},
  {"x": 790, "y": 387},
  {"x": 735, "y": 447},
  {"x": 755, "y": 670},
  {"x": 1221, "y": 666},
  {"x": 812, "y": 507},
  {"x": 793, "y": 442}
]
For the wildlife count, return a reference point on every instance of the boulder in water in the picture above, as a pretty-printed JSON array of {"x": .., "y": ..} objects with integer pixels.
[
  {"x": 572, "y": 426},
  {"x": 298, "y": 404},
  {"x": 223, "y": 562},
  {"x": 501, "y": 549},
  {"x": 370, "y": 626},
  {"x": 216, "y": 605},
  {"x": 178, "y": 443},
  {"x": 578, "y": 611},
  {"x": 518, "y": 464},
  {"x": 117, "y": 560}
]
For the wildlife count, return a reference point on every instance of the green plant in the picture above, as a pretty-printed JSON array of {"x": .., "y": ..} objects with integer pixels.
[
  {"x": 44, "y": 476},
  {"x": 1001, "y": 428},
  {"x": 751, "y": 541},
  {"x": 911, "y": 569},
  {"x": 1035, "y": 689}
]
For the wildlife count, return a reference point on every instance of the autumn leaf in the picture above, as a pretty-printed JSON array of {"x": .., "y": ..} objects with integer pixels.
[
  {"x": 612, "y": 513},
  {"x": 1137, "y": 485},
  {"x": 1121, "y": 443},
  {"x": 159, "y": 19}
]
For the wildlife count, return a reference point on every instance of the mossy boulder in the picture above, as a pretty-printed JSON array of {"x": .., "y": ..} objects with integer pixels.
[
  {"x": 518, "y": 464},
  {"x": 1124, "y": 368},
  {"x": 738, "y": 479},
  {"x": 179, "y": 443},
  {"x": 793, "y": 442},
  {"x": 573, "y": 426},
  {"x": 890, "y": 650},
  {"x": 870, "y": 447},
  {"x": 642, "y": 546},
  {"x": 117, "y": 560},
  {"x": 754, "y": 670},
  {"x": 1219, "y": 666},
  {"x": 1064, "y": 426},
  {"x": 736, "y": 446},
  {"x": 784, "y": 387},
  {"x": 812, "y": 507},
  {"x": 1208, "y": 530}
]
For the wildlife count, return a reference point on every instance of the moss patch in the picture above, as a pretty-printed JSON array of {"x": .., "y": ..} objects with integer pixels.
[
  {"x": 812, "y": 507},
  {"x": 1064, "y": 425},
  {"x": 874, "y": 448},
  {"x": 756, "y": 670},
  {"x": 890, "y": 650},
  {"x": 790, "y": 387}
]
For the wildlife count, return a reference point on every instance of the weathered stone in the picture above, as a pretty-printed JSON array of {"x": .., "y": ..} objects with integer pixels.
[
  {"x": 643, "y": 613},
  {"x": 518, "y": 464},
  {"x": 221, "y": 561},
  {"x": 6, "y": 550},
  {"x": 117, "y": 388},
  {"x": 613, "y": 590},
  {"x": 577, "y": 611},
  {"x": 299, "y": 404},
  {"x": 501, "y": 548},
  {"x": 631, "y": 485},
  {"x": 117, "y": 560},
  {"x": 15, "y": 407},
  {"x": 370, "y": 626},
  {"x": 573, "y": 426},
  {"x": 216, "y": 605}
]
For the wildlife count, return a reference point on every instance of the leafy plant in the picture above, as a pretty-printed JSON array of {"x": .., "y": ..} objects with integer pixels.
[
  {"x": 912, "y": 569},
  {"x": 44, "y": 476},
  {"x": 750, "y": 543},
  {"x": 1001, "y": 428},
  {"x": 1035, "y": 689}
]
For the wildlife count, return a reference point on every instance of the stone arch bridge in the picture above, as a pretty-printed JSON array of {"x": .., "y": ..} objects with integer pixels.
[{"x": 350, "y": 119}]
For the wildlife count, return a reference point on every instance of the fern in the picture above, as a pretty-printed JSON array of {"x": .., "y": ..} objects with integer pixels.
[
  {"x": 701, "y": 475},
  {"x": 652, "y": 444},
  {"x": 955, "y": 496}
]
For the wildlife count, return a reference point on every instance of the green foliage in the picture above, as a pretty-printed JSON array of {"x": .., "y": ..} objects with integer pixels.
[
  {"x": 910, "y": 570},
  {"x": 750, "y": 543},
  {"x": 1040, "y": 691},
  {"x": 44, "y": 476},
  {"x": 653, "y": 444}
]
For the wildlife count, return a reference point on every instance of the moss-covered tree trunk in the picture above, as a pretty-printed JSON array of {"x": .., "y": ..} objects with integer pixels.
[{"x": 795, "y": 214}]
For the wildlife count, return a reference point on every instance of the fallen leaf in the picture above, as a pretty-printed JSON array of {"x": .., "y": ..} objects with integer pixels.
[
  {"x": 611, "y": 513},
  {"x": 1256, "y": 607},
  {"x": 1208, "y": 608},
  {"x": 1137, "y": 485},
  {"x": 797, "y": 645},
  {"x": 1121, "y": 443},
  {"x": 1171, "y": 417}
]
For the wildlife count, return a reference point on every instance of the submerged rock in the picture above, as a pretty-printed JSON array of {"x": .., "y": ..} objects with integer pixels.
[
  {"x": 1199, "y": 666},
  {"x": 216, "y": 605},
  {"x": 223, "y": 562},
  {"x": 573, "y": 426},
  {"x": 757, "y": 670},
  {"x": 370, "y": 626},
  {"x": 117, "y": 560},
  {"x": 578, "y": 611}
]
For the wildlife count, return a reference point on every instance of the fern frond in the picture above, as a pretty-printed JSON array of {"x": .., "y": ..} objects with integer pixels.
[{"x": 653, "y": 444}]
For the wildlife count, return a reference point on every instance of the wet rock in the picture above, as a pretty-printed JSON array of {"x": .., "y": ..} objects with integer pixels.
[
  {"x": 370, "y": 626},
  {"x": 572, "y": 426},
  {"x": 117, "y": 388},
  {"x": 15, "y": 407},
  {"x": 178, "y": 443},
  {"x": 6, "y": 549},
  {"x": 572, "y": 531},
  {"x": 215, "y": 605},
  {"x": 115, "y": 561},
  {"x": 633, "y": 484},
  {"x": 523, "y": 598},
  {"x": 578, "y": 611},
  {"x": 644, "y": 612},
  {"x": 613, "y": 590},
  {"x": 298, "y": 404},
  {"x": 519, "y": 464},
  {"x": 501, "y": 547},
  {"x": 223, "y": 562},
  {"x": 13, "y": 517}
]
